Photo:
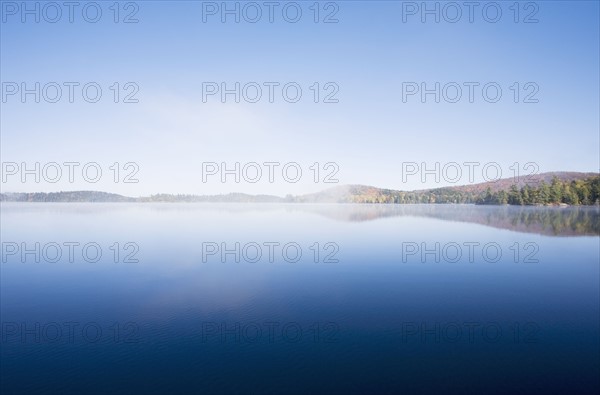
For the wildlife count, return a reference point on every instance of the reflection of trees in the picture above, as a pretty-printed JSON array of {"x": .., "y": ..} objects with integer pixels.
[
  {"x": 567, "y": 221},
  {"x": 553, "y": 221},
  {"x": 560, "y": 221}
]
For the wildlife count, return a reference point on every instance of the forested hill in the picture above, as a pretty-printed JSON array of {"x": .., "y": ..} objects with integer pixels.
[
  {"x": 93, "y": 196},
  {"x": 544, "y": 189},
  {"x": 548, "y": 188},
  {"x": 61, "y": 197}
]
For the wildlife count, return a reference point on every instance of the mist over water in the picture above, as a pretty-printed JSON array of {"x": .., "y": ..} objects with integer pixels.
[{"x": 226, "y": 298}]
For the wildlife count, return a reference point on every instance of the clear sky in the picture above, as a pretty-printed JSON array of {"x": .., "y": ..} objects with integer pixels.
[{"x": 368, "y": 54}]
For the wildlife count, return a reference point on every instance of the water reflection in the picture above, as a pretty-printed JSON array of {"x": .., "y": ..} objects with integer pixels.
[
  {"x": 395, "y": 320},
  {"x": 549, "y": 221}
]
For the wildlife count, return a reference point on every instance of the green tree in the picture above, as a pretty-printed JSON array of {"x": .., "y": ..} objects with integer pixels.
[
  {"x": 569, "y": 195},
  {"x": 525, "y": 195},
  {"x": 514, "y": 196},
  {"x": 556, "y": 190},
  {"x": 544, "y": 193}
]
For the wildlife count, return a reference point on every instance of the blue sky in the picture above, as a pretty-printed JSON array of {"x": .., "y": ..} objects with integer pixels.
[{"x": 368, "y": 54}]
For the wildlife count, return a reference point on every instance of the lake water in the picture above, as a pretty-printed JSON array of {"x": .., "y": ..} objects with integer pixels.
[{"x": 209, "y": 298}]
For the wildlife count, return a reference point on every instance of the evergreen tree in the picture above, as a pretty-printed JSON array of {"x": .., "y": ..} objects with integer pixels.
[
  {"x": 514, "y": 196},
  {"x": 525, "y": 195},
  {"x": 556, "y": 192},
  {"x": 544, "y": 193}
]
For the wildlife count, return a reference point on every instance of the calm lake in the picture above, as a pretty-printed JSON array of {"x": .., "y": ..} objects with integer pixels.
[{"x": 293, "y": 299}]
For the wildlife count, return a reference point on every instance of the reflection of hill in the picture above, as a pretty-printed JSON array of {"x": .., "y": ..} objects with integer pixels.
[
  {"x": 551, "y": 221},
  {"x": 567, "y": 221}
]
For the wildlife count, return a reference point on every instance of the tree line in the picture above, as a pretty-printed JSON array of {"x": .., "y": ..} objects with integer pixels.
[{"x": 574, "y": 193}]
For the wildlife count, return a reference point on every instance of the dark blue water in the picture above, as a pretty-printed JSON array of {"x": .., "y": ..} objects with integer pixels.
[{"x": 298, "y": 299}]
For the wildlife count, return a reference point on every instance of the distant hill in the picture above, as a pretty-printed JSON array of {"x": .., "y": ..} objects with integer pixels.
[
  {"x": 103, "y": 197},
  {"x": 555, "y": 188},
  {"x": 532, "y": 181},
  {"x": 229, "y": 198},
  {"x": 73, "y": 197},
  {"x": 566, "y": 186}
]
